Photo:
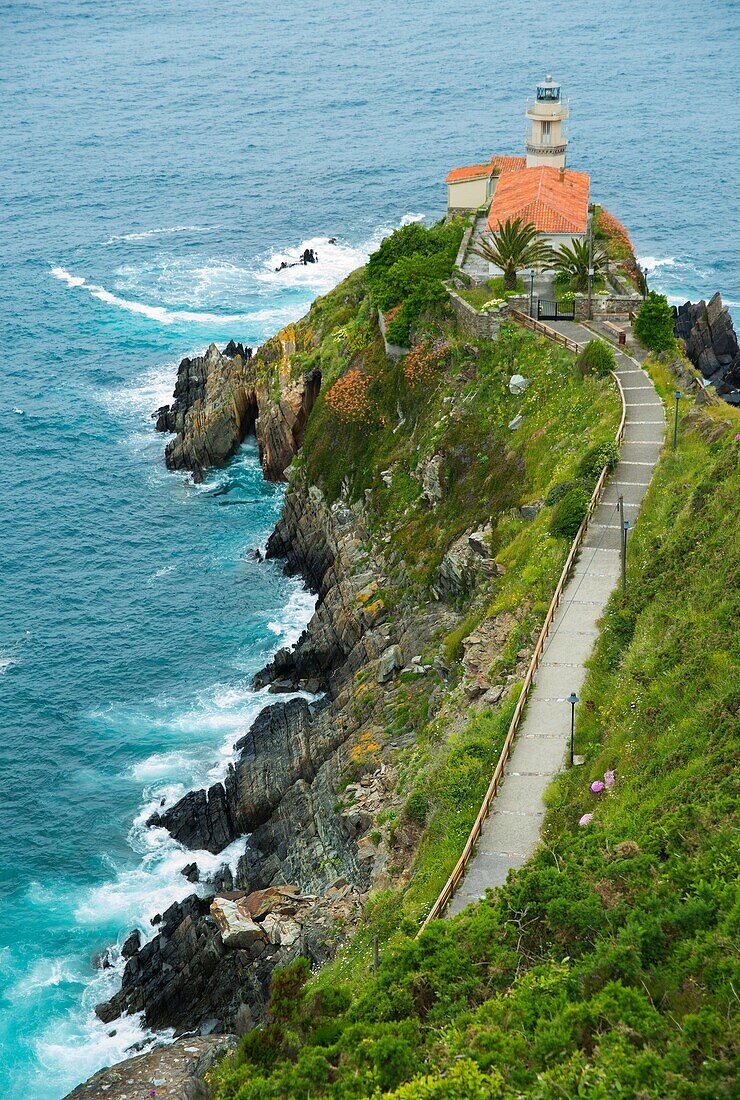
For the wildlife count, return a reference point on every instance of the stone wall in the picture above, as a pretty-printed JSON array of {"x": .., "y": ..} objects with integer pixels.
[
  {"x": 606, "y": 306},
  {"x": 463, "y": 249},
  {"x": 479, "y": 326},
  {"x": 393, "y": 351}
]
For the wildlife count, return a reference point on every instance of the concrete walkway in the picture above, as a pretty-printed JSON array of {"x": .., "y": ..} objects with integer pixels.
[
  {"x": 475, "y": 266},
  {"x": 511, "y": 832}
]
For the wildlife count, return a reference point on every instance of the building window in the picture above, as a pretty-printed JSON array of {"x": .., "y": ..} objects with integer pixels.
[{"x": 546, "y": 133}]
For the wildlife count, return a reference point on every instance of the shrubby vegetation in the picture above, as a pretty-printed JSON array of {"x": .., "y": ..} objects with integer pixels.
[
  {"x": 654, "y": 323},
  {"x": 597, "y": 357},
  {"x": 568, "y": 514},
  {"x": 613, "y": 237},
  {"x": 407, "y": 271}
]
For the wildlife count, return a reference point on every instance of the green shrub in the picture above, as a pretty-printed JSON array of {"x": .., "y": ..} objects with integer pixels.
[
  {"x": 558, "y": 491},
  {"x": 596, "y": 458},
  {"x": 397, "y": 330},
  {"x": 417, "y": 807},
  {"x": 654, "y": 323},
  {"x": 596, "y": 358},
  {"x": 569, "y": 513},
  {"x": 408, "y": 270}
]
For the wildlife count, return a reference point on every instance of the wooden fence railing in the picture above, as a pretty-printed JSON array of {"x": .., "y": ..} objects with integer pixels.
[
  {"x": 460, "y": 867},
  {"x": 544, "y": 330}
]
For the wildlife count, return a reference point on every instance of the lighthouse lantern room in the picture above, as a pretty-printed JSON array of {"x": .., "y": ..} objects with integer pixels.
[{"x": 546, "y": 141}]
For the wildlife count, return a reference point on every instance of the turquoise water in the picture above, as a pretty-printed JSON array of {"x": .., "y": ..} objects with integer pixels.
[{"x": 159, "y": 161}]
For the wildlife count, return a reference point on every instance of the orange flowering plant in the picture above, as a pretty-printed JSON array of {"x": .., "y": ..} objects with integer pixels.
[
  {"x": 422, "y": 363},
  {"x": 349, "y": 397}
]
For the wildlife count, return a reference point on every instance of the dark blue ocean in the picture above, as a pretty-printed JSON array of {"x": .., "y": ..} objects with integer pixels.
[{"x": 158, "y": 159}]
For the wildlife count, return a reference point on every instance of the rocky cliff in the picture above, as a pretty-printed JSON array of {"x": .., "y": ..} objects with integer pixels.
[
  {"x": 711, "y": 344},
  {"x": 199, "y": 974},
  {"x": 222, "y": 396}
]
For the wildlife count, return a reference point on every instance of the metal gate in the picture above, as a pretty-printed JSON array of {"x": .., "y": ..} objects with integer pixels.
[{"x": 554, "y": 311}]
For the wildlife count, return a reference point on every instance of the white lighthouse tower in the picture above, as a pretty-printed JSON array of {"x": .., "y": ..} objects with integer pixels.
[{"x": 546, "y": 142}]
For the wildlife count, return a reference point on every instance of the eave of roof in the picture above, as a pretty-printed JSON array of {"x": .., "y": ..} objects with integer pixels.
[{"x": 471, "y": 172}]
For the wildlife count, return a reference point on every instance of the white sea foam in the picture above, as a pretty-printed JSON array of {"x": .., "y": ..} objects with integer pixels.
[
  {"x": 276, "y": 316},
  {"x": 44, "y": 974},
  {"x": 210, "y": 282},
  {"x": 6, "y": 663},
  {"x": 673, "y": 266},
  {"x": 74, "y": 1047},
  {"x": 294, "y": 618},
  {"x": 166, "y": 231},
  {"x": 70, "y": 280},
  {"x": 336, "y": 260}
]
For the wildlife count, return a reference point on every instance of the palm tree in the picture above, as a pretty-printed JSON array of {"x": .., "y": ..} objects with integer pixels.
[
  {"x": 514, "y": 245},
  {"x": 573, "y": 260}
]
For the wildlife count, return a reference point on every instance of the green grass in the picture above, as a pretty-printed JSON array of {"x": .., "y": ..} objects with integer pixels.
[
  {"x": 478, "y": 296},
  {"x": 607, "y": 966}
]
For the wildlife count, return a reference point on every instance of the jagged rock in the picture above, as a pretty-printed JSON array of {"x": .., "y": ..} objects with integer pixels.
[
  {"x": 202, "y": 819},
  {"x": 480, "y": 541},
  {"x": 518, "y": 384},
  {"x": 493, "y": 695},
  {"x": 179, "y": 1069},
  {"x": 456, "y": 573},
  {"x": 531, "y": 510},
  {"x": 223, "y": 879},
  {"x": 429, "y": 472},
  {"x": 101, "y": 959},
  {"x": 220, "y": 397},
  {"x": 390, "y": 664},
  {"x": 190, "y": 872},
  {"x": 131, "y": 944},
  {"x": 233, "y": 349},
  {"x": 485, "y": 644},
  {"x": 711, "y": 344},
  {"x": 282, "y": 789},
  {"x": 516, "y": 422},
  {"x": 237, "y": 928},
  {"x": 467, "y": 561}
]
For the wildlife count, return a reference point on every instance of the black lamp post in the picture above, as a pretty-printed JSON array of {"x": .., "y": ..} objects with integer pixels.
[
  {"x": 625, "y": 529},
  {"x": 677, "y": 396},
  {"x": 531, "y": 291},
  {"x": 572, "y": 699}
]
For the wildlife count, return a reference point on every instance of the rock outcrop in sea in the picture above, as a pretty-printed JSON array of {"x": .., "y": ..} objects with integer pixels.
[{"x": 221, "y": 397}]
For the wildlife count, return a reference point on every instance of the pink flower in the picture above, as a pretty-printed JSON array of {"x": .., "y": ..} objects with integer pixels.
[
  {"x": 609, "y": 779},
  {"x": 597, "y": 786},
  {"x": 586, "y": 819}
]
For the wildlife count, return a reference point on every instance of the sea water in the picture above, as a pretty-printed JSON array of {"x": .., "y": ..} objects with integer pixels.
[{"x": 158, "y": 163}]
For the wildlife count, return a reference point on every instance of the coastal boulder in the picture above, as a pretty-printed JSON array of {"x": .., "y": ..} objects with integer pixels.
[{"x": 237, "y": 928}]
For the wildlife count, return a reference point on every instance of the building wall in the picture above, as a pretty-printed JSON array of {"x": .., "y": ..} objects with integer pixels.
[
  {"x": 467, "y": 194},
  {"x": 552, "y": 160},
  {"x": 555, "y": 240}
]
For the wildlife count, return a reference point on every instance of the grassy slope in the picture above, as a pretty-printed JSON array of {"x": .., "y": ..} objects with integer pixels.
[{"x": 603, "y": 968}]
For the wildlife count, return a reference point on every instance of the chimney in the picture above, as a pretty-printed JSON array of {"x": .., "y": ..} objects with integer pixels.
[{"x": 562, "y": 175}]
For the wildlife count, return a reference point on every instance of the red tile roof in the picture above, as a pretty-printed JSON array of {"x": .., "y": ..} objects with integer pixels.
[
  {"x": 499, "y": 165},
  {"x": 553, "y": 202},
  {"x": 508, "y": 164},
  {"x": 473, "y": 172}
]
